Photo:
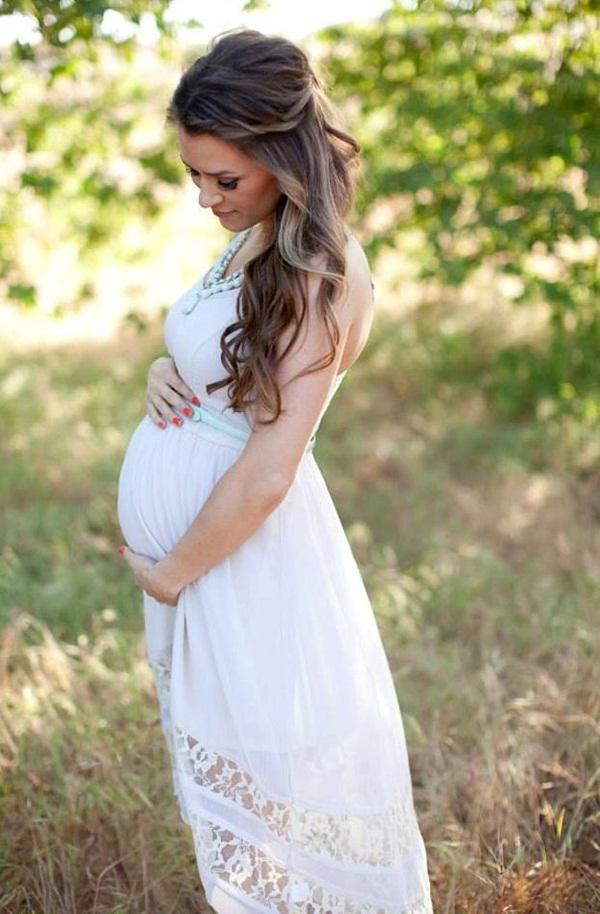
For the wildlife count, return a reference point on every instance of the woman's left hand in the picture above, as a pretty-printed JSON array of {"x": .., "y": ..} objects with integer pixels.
[{"x": 150, "y": 578}]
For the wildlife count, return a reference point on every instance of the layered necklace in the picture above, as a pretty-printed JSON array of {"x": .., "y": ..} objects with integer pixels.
[{"x": 215, "y": 281}]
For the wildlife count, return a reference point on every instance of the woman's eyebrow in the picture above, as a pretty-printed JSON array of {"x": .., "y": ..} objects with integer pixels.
[{"x": 213, "y": 174}]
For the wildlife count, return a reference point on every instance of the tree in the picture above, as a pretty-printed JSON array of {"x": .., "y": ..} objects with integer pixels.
[
  {"x": 483, "y": 120},
  {"x": 79, "y": 116}
]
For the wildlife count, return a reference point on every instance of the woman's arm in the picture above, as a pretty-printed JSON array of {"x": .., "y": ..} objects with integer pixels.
[
  {"x": 236, "y": 507},
  {"x": 258, "y": 481}
]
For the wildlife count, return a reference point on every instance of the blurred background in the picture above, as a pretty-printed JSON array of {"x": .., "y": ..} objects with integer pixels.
[{"x": 462, "y": 450}]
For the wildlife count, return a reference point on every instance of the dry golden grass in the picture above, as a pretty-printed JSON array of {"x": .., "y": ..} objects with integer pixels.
[
  {"x": 478, "y": 540},
  {"x": 87, "y": 807}
]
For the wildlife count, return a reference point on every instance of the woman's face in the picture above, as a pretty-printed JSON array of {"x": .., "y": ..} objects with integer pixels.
[{"x": 237, "y": 189}]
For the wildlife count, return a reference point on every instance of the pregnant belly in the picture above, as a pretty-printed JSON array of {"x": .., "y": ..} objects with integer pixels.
[{"x": 165, "y": 478}]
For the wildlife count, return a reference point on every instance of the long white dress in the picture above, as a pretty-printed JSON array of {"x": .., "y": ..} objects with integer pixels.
[{"x": 276, "y": 697}]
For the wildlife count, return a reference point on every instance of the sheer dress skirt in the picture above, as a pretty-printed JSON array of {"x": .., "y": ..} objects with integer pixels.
[{"x": 286, "y": 739}]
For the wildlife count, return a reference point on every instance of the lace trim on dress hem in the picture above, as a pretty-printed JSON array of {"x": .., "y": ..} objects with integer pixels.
[
  {"x": 253, "y": 875},
  {"x": 162, "y": 679},
  {"x": 256, "y": 876},
  {"x": 376, "y": 839}
]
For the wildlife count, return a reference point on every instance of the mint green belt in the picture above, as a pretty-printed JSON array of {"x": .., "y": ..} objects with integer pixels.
[{"x": 201, "y": 414}]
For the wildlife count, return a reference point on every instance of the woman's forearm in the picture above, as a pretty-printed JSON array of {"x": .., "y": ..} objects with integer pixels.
[{"x": 235, "y": 508}]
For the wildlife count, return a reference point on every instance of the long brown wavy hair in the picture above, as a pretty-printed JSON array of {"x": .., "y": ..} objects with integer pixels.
[{"x": 260, "y": 93}]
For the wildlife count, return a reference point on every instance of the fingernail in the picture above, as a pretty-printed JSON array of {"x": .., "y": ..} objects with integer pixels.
[
  {"x": 121, "y": 549},
  {"x": 196, "y": 401},
  {"x": 187, "y": 411},
  {"x": 177, "y": 421},
  {"x": 162, "y": 424}
]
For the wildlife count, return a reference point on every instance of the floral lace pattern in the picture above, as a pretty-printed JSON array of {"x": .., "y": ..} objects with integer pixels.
[
  {"x": 376, "y": 838},
  {"x": 256, "y": 876},
  {"x": 162, "y": 678}
]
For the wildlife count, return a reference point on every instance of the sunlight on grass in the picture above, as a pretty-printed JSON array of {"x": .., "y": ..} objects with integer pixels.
[
  {"x": 81, "y": 751},
  {"x": 477, "y": 538}
]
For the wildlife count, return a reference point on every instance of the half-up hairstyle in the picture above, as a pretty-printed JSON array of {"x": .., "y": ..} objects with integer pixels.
[{"x": 260, "y": 93}]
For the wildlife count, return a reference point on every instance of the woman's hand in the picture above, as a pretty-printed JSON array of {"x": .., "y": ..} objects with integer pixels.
[
  {"x": 150, "y": 576},
  {"x": 166, "y": 389}
]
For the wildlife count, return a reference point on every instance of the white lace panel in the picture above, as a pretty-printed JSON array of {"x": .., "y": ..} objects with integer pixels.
[
  {"x": 258, "y": 877},
  {"x": 162, "y": 678},
  {"x": 376, "y": 839}
]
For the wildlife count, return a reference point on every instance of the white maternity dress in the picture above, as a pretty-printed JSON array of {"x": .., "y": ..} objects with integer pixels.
[{"x": 276, "y": 697}]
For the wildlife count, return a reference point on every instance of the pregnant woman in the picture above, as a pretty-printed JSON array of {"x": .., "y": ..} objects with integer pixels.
[{"x": 286, "y": 738}]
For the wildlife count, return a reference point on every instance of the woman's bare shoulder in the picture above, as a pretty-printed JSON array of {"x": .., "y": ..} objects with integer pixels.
[
  {"x": 358, "y": 269},
  {"x": 353, "y": 252},
  {"x": 359, "y": 282}
]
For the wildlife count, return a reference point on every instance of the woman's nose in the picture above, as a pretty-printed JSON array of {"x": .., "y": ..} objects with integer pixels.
[{"x": 206, "y": 199}]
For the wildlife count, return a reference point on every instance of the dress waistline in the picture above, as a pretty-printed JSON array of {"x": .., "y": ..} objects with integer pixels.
[{"x": 202, "y": 417}]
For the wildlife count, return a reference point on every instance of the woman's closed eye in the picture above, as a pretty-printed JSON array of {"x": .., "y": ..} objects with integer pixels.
[{"x": 228, "y": 185}]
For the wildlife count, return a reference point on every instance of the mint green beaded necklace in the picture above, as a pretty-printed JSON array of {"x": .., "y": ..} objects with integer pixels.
[{"x": 215, "y": 280}]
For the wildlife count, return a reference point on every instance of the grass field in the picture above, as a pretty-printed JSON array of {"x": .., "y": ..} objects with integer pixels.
[{"x": 478, "y": 538}]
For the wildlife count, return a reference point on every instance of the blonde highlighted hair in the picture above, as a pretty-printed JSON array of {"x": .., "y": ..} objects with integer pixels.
[{"x": 260, "y": 93}]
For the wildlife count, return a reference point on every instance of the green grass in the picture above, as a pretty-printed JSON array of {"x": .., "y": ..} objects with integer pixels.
[{"x": 478, "y": 538}]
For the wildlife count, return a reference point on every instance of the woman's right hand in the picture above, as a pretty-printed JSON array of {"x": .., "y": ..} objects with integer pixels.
[{"x": 165, "y": 389}]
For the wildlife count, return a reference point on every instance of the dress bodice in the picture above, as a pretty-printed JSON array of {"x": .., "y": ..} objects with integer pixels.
[{"x": 193, "y": 341}]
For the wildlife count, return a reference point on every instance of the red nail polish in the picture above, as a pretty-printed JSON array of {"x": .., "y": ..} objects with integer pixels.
[
  {"x": 121, "y": 549},
  {"x": 196, "y": 401},
  {"x": 177, "y": 421},
  {"x": 162, "y": 424},
  {"x": 187, "y": 411}
]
